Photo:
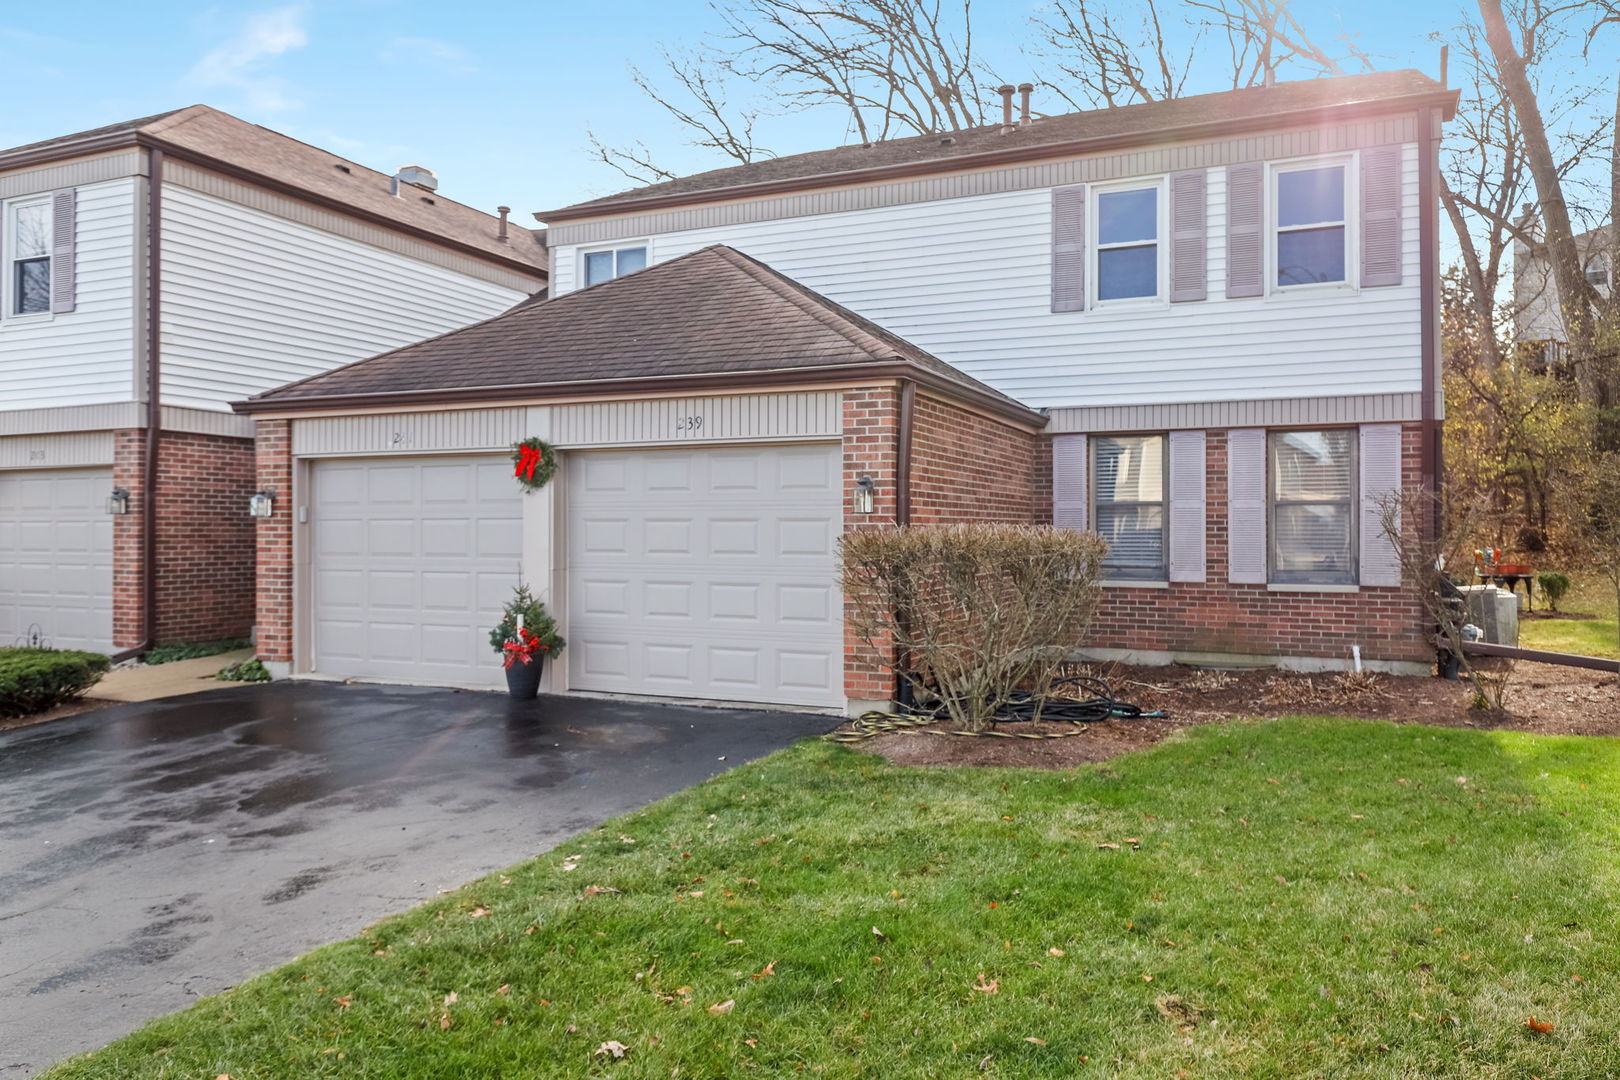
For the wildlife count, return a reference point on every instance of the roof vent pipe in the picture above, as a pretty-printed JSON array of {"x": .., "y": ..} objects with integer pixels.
[
  {"x": 1024, "y": 90},
  {"x": 1006, "y": 92},
  {"x": 500, "y": 233}
]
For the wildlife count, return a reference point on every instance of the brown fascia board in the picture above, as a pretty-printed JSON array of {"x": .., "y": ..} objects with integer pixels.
[
  {"x": 1443, "y": 99},
  {"x": 123, "y": 139},
  {"x": 1005, "y": 408}
]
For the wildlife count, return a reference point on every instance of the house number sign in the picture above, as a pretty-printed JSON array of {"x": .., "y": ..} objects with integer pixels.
[{"x": 684, "y": 424}]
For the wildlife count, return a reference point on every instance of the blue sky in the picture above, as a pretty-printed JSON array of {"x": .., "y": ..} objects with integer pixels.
[{"x": 495, "y": 96}]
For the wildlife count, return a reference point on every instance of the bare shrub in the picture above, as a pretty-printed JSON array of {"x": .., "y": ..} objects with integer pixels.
[{"x": 972, "y": 613}]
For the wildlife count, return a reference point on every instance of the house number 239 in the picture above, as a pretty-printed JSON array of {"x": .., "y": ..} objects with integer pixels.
[{"x": 688, "y": 423}]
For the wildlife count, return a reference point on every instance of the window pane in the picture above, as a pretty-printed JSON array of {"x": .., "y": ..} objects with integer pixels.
[
  {"x": 1312, "y": 465},
  {"x": 598, "y": 267},
  {"x": 1135, "y": 536},
  {"x": 33, "y": 286},
  {"x": 1308, "y": 196},
  {"x": 1126, "y": 272},
  {"x": 1124, "y": 216},
  {"x": 33, "y": 225},
  {"x": 1306, "y": 256},
  {"x": 631, "y": 260},
  {"x": 1313, "y": 544},
  {"x": 1597, "y": 270},
  {"x": 1130, "y": 468}
]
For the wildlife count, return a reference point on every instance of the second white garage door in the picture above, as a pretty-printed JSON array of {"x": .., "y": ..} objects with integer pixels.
[
  {"x": 706, "y": 573},
  {"x": 56, "y": 558},
  {"x": 413, "y": 560}
]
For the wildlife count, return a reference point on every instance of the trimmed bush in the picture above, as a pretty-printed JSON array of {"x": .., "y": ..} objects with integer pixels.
[
  {"x": 1553, "y": 586},
  {"x": 33, "y": 680}
]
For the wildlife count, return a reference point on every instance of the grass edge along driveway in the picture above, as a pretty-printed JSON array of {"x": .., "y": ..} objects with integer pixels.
[{"x": 1303, "y": 897}]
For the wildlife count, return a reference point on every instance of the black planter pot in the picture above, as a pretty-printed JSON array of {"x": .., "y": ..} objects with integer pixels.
[{"x": 523, "y": 680}]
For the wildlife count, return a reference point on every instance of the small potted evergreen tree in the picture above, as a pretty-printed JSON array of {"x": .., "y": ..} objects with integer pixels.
[{"x": 525, "y": 636}]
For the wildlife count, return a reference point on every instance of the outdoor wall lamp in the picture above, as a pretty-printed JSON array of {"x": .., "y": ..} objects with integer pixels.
[
  {"x": 118, "y": 501},
  {"x": 262, "y": 504},
  {"x": 864, "y": 500}
]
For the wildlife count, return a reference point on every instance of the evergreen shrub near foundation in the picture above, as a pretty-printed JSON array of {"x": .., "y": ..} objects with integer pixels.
[{"x": 33, "y": 680}]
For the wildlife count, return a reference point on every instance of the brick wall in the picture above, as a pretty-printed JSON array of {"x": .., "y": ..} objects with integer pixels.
[
  {"x": 275, "y": 543},
  {"x": 1215, "y": 616},
  {"x": 871, "y": 448},
  {"x": 205, "y": 560}
]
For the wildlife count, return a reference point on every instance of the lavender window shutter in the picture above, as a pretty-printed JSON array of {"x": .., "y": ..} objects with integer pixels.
[
  {"x": 1246, "y": 506},
  {"x": 1069, "y": 248},
  {"x": 1069, "y": 495},
  {"x": 1381, "y": 216},
  {"x": 1187, "y": 506},
  {"x": 1187, "y": 236},
  {"x": 1380, "y": 479},
  {"x": 1245, "y": 247},
  {"x": 64, "y": 226}
]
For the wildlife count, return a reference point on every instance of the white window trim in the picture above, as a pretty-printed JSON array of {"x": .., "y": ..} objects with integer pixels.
[
  {"x": 8, "y": 269},
  {"x": 1353, "y": 585},
  {"x": 1352, "y": 218},
  {"x": 597, "y": 249},
  {"x": 1164, "y": 501},
  {"x": 1094, "y": 245}
]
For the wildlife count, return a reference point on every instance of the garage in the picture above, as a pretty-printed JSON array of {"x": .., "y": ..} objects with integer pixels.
[
  {"x": 706, "y": 573},
  {"x": 56, "y": 557},
  {"x": 411, "y": 561}
]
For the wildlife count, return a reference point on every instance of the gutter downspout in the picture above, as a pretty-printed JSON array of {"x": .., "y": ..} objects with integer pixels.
[
  {"x": 902, "y": 493},
  {"x": 1428, "y": 248},
  {"x": 154, "y": 406}
]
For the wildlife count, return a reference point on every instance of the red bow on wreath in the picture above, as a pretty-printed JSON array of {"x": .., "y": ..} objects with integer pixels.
[{"x": 529, "y": 459}]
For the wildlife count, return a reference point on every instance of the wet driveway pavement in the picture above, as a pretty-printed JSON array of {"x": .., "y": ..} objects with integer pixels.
[{"x": 154, "y": 853}]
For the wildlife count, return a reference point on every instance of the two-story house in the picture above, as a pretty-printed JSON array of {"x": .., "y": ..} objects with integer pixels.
[
  {"x": 1205, "y": 328},
  {"x": 1538, "y": 319},
  {"x": 150, "y": 273}
]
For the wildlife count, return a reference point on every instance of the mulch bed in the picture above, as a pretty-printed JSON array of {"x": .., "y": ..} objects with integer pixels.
[
  {"x": 1541, "y": 698},
  {"x": 61, "y": 712}
]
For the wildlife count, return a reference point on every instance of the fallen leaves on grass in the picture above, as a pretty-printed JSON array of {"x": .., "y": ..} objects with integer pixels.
[
  {"x": 570, "y": 863},
  {"x": 1033, "y": 1039},
  {"x": 723, "y": 1007},
  {"x": 343, "y": 1002},
  {"x": 479, "y": 913},
  {"x": 614, "y": 1047},
  {"x": 1540, "y": 1027},
  {"x": 1054, "y": 951},
  {"x": 768, "y": 969},
  {"x": 992, "y": 986},
  {"x": 598, "y": 890}
]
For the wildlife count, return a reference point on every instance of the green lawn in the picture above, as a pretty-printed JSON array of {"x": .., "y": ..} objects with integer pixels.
[
  {"x": 1295, "y": 898},
  {"x": 1589, "y": 594}
]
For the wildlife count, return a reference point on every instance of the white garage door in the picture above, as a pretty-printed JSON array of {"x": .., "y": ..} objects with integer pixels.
[
  {"x": 706, "y": 573},
  {"x": 413, "y": 559},
  {"x": 56, "y": 557}
]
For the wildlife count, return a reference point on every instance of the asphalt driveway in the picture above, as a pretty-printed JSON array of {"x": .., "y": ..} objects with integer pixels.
[{"x": 154, "y": 853}]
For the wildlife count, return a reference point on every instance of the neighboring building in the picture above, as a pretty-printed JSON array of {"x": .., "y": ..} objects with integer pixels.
[
  {"x": 1206, "y": 328},
  {"x": 213, "y": 259},
  {"x": 1537, "y": 314}
]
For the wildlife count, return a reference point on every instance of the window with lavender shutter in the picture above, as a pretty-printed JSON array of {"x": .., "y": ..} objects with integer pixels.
[
  {"x": 1245, "y": 197},
  {"x": 1069, "y": 248},
  {"x": 64, "y": 229},
  {"x": 1246, "y": 506},
  {"x": 1380, "y": 480},
  {"x": 1187, "y": 236},
  {"x": 1187, "y": 518},
  {"x": 1069, "y": 481},
  {"x": 1381, "y": 216}
]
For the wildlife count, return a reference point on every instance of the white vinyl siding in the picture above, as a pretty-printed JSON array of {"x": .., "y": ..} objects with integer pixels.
[
  {"x": 252, "y": 300},
  {"x": 970, "y": 280},
  {"x": 86, "y": 356}
]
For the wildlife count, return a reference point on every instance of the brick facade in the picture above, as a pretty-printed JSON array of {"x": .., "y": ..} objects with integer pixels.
[
  {"x": 205, "y": 562},
  {"x": 275, "y": 543}
]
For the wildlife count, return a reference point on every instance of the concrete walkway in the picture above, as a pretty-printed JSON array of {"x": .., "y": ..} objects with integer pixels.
[{"x": 167, "y": 680}]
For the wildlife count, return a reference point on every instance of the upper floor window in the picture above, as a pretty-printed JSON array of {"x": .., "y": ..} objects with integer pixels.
[
  {"x": 1128, "y": 243},
  {"x": 1310, "y": 225},
  {"x": 1312, "y": 496},
  {"x": 603, "y": 266},
  {"x": 1128, "y": 505},
  {"x": 27, "y": 238},
  {"x": 1597, "y": 271}
]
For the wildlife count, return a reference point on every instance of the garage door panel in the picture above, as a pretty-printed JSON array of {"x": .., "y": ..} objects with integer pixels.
[
  {"x": 56, "y": 557},
  {"x": 409, "y": 579},
  {"x": 725, "y": 590}
]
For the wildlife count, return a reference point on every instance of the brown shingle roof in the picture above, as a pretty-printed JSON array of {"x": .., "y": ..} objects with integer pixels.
[
  {"x": 715, "y": 315},
  {"x": 214, "y": 138},
  {"x": 1048, "y": 136}
]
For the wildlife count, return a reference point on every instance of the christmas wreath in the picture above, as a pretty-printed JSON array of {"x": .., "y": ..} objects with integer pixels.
[{"x": 534, "y": 463}]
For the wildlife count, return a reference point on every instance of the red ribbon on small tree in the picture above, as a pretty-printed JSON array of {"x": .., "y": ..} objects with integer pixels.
[{"x": 534, "y": 463}]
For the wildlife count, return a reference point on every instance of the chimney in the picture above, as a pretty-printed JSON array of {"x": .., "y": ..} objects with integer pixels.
[
  {"x": 1006, "y": 92},
  {"x": 1024, "y": 90},
  {"x": 416, "y": 176},
  {"x": 501, "y": 233}
]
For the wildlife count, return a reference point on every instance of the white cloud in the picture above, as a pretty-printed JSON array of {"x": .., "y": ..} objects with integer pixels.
[
  {"x": 429, "y": 52},
  {"x": 240, "y": 62}
]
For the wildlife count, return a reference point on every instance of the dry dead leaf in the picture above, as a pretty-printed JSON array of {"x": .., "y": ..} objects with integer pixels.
[
  {"x": 451, "y": 998},
  {"x": 614, "y": 1047},
  {"x": 1054, "y": 951},
  {"x": 1033, "y": 1039},
  {"x": 597, "y": 890},
  {"x": 505, "y": 988},
  {"x": 768, "y": 969},
  {"x": 723, "y": 1007},
  {"x": 444, "y": 1022},
  {"x": 993, "y": 986},
  {"x": 479, "y": 913},
  {"x": 343, "y": 1002},
  {"x": 1543, "y": 1027},
  {"x": 880, "y": 935},
  {"x": 1109, "y": 847}
]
